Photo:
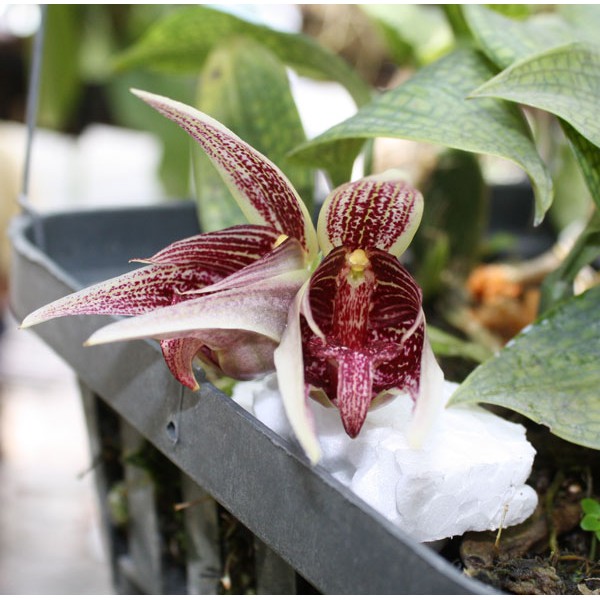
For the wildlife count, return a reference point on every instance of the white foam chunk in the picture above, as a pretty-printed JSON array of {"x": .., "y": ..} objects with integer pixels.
[{"x": 469, "y": 475}]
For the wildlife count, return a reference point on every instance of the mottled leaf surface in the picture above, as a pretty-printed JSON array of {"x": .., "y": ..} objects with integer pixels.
[
  {"x": 564, "y": 81},
  {"x": 433, "y": 107},
  {"x": 505, "y": 40},
  {"x": 550, "y": 373}
]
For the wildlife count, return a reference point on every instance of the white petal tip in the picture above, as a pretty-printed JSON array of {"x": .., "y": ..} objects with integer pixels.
[
  {"x": 314, "y": 454},
  {"x": 35, "y": 318},
  {"x": 415, "y": 438}
]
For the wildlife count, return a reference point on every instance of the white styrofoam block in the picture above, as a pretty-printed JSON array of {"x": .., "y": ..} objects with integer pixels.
[{"x": 469, "y": 475}]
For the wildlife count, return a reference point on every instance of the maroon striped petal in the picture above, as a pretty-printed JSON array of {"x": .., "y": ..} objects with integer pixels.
[
  {"x": 263, "y": 192},
  {"x": 380, "y": 212},
  {"x": 179, "y": 354},
  {"x": 370, "y": 334},
  {"x": 133, "y": 293},
  {"x": 236, "y": 353},
  {"x": 286, "y": 257},
  {"x": 227, "y": 250},
  {"x": 260, "y": 308},
  {"x": 183, "y": 267}
]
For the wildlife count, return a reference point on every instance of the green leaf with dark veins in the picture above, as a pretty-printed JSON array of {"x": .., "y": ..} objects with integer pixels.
[
  {"x": 433, "y": 107},
  {"x": 244, "y": 86},
  {"x": 505, "y": 40},
  {"x": 549, "y": 372},
  {"x": 564, "y": 81},
  {"x": 181, "y": 41}
]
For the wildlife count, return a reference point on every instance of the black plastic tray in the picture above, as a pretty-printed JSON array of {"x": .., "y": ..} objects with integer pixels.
[{"x": 327, "y": 534}]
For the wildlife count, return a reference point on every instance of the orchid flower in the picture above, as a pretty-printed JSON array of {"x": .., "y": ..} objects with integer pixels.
[
  {"x": 244, "y": 301},
  {"x": 221, "y": 296}
]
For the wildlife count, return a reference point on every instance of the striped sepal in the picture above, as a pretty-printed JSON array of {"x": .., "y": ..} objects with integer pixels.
[
  {"x": 227, "y": 250},
  {"x": 133, "y": 293},
  {"x": 381, "y": 212},
  {"x": 263, "y": 192}
]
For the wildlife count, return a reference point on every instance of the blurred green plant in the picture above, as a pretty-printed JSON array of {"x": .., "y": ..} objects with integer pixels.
[
  {"x": 79, "y": 83},
  {"x": 225, "y": 65}
]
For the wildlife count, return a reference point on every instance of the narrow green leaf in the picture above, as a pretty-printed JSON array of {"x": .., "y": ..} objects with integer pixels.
[
  {"x": 181, "y": 41},
  {"x": 432, "y": 107},
  {"x": 61, "y": 84},
  {"x": 245, "y": 87},
  {"x": 564, "y": 81},
  {"x": 549, "y": 373},
  {"x": 446, "y": 344}
]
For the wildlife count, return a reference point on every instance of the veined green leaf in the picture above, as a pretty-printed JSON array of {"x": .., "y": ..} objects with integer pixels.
[
  {"x": 505, "y": 40},
  {"x": 564, "y": 81},
  {"x": 245, "y": 87},
  {"x": 558, "y": 389},
  {"x": 432, "y": 107},
  {"x": 181, "y": 42}
]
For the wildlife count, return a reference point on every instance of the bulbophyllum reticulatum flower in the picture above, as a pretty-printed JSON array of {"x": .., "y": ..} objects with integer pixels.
[{"x": 348, "y": 330}]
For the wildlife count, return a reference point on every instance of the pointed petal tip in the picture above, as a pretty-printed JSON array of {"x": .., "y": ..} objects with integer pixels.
[
  {"x": 314, "y": 454},
  {"x": 95, "y": 339},
  {"x": 188, "y": 382},
  {"x": 34, "y": 318},
  {"x": 26, "y": 323},
  {"x": 353, "y": 423},
  {"x": 137, "y": 92}
]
